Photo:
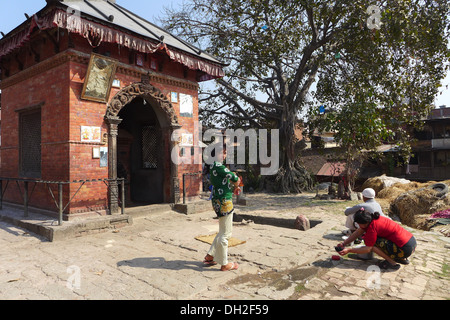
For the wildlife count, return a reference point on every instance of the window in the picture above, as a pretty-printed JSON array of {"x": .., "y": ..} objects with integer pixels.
[
  {"x": 425, "y": 159},
  {"x": 150, "y": 147},
  {"x": 30, "y": 144},
  {"x": 414, "y": 159},
  {"x": 442, "y": 158},
  {"x": 438, "y": 131},
  {"x": 423, "y": 134}
]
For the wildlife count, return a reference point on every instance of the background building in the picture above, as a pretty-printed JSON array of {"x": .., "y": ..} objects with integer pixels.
[{"x": 431, "y": 160}]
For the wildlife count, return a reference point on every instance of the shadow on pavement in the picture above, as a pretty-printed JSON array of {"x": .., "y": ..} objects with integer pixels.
[
  {"x": 161, "y": 263},
  {"x": 276, "y": 222}
]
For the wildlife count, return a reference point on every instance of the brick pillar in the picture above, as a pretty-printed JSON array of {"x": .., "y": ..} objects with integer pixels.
[{"x": 113, "y": 123}]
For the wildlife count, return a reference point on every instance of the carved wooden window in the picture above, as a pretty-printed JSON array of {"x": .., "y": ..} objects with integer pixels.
[
  {"x": 30, "y": 144},
  {"x": 150, "y": 147}
]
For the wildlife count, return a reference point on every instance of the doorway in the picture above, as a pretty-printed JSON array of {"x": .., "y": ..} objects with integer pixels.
[{"x": 140, "y": 153}]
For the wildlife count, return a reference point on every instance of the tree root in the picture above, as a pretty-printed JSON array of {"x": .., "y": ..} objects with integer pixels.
[{"x": 293, "y": 179}]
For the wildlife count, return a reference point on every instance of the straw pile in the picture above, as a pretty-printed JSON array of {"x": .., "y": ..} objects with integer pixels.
[
  {"x": 382, "y": 182},
  {"x": 412, "y": 202},
  {"x": 386, "y": 195},
  {"x": 391, "y": 193},
  {"x": 415, "y": 207}
]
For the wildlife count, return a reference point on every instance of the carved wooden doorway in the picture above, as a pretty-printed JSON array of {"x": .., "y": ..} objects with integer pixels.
[
  {"x": 141, "y": 154},
  {"x": 148, "y": 117}
]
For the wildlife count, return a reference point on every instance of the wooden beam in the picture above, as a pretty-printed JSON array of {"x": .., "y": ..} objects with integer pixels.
[{"x": 53, "y": 40}]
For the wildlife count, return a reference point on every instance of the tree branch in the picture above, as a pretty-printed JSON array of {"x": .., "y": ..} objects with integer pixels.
[{"x": 253, "y": 102}]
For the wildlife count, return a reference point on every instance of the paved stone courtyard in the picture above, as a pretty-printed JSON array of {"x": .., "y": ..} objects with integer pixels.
[{"x": 158, "y": 257}]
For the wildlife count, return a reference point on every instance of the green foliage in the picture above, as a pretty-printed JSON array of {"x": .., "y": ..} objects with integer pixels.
[
  {"x": 375, "y": 81},
  {"x": 385, "y": 80}
]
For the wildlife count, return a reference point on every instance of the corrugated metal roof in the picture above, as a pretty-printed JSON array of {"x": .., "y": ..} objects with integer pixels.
[
  {"x": 105, "y": 21},
  {"x": 332, "y": 169},
  {"x": 111, "y": 13}
]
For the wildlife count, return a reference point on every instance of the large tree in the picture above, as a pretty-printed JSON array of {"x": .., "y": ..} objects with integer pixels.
[
  {"x": 380, "y": 60},
  {"x": 379, "y": 91}
]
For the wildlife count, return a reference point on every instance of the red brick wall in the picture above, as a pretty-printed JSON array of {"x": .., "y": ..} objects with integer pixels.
[
  {"x": 49, "y": 87},
  {"x": 83, "y": 112},
  {"x": 64, "y": 156},
  {"x": 82, "y": 166}
]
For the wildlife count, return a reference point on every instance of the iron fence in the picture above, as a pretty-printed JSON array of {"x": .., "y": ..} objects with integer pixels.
[{"x": 26, "y": 195}]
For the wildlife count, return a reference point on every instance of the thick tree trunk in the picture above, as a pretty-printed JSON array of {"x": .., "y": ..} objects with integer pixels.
[{"x": 292, "y": 177}]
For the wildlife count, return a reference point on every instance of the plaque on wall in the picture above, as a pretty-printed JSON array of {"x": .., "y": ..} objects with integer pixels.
[
  {"x": 186, "y": 105},
  {"x": 174, "y": 97},
  {"x": 91, "y": 134},
  {"x": 103, "y": 157},
  {"x": 116, "y": 83},
  {"x": 139, "y": 60},
  {"x": 95, "y": 153},
  {"x": 187, "y": 140},
  {"x": 99, "y": 78},
  {"x": 153, "y": 64}
]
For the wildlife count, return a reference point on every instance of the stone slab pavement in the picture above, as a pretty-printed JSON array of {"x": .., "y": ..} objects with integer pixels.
[{"x": 158, "y": 258}]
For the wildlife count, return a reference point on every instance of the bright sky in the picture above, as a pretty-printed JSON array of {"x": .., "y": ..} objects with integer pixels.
[
  {"x": 12, "y": 15},
  {"x": 12, "y": 12}
]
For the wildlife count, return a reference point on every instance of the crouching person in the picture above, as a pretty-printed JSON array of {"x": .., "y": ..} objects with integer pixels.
[{"x": 384, "y": 237}]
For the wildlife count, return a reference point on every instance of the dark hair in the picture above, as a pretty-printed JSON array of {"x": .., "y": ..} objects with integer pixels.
[{"x": 363, "y": 216}]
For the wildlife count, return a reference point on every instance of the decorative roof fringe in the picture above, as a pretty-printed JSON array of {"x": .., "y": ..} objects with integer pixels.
[{"x": 96, "y": 33}]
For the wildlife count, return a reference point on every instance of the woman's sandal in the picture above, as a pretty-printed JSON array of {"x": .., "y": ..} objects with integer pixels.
[
  {"x": 210, "y": 261},
  {"x": 385, "y": 265},
  {"x": 402, "y": 261},
  {"x": 234, "y": 266}
]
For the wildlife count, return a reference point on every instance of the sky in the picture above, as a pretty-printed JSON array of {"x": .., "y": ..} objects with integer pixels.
[
  {"x": 12, "y": 12},
  {"x": 12, "y": 15}
]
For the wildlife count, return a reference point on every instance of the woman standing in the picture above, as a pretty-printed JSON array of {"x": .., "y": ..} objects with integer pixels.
[
  {"x": 222, "y": 203},
  {"x": 384, "y": 237}
]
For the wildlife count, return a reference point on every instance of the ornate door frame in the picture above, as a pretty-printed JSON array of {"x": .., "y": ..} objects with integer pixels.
[{"x": 168, "y": 120}]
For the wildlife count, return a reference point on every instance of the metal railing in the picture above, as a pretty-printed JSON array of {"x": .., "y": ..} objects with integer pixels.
[{"x": 58, "y": 203}]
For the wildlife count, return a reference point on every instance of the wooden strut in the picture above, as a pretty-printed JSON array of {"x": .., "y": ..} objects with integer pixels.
[
  {"x": 37, "y": 55},
  {"x": 53, "y": 40}
]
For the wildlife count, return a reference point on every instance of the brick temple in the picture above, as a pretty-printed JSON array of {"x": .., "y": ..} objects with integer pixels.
[{"x": 91, "y": 92}]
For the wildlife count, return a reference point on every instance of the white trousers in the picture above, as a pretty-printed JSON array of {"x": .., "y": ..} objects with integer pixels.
[
  {"x": 219, "y": 247},
  {"x": 350, "y": 222}
]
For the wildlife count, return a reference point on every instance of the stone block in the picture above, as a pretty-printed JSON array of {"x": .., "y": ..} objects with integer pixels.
[{"x": 302, "y": 223}]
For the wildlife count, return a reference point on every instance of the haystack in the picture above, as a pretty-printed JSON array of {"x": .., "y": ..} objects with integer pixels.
[
  {"x": 387, "y": 195},
  {"x": 382, "y": 182},
  {"x": 413, "y": 202},
  {"x": 391, "y": 193},
  {"x": 415, "y": 206}
]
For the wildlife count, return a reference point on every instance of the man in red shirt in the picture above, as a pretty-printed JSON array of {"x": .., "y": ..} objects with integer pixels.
[{"x": 384, "y": 237}]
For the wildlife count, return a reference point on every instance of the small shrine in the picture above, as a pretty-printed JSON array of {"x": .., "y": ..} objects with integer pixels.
[{"x": 91, "y": 93}]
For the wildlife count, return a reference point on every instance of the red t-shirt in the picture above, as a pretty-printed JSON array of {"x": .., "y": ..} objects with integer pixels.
[{"x": 388, "y": 229}]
